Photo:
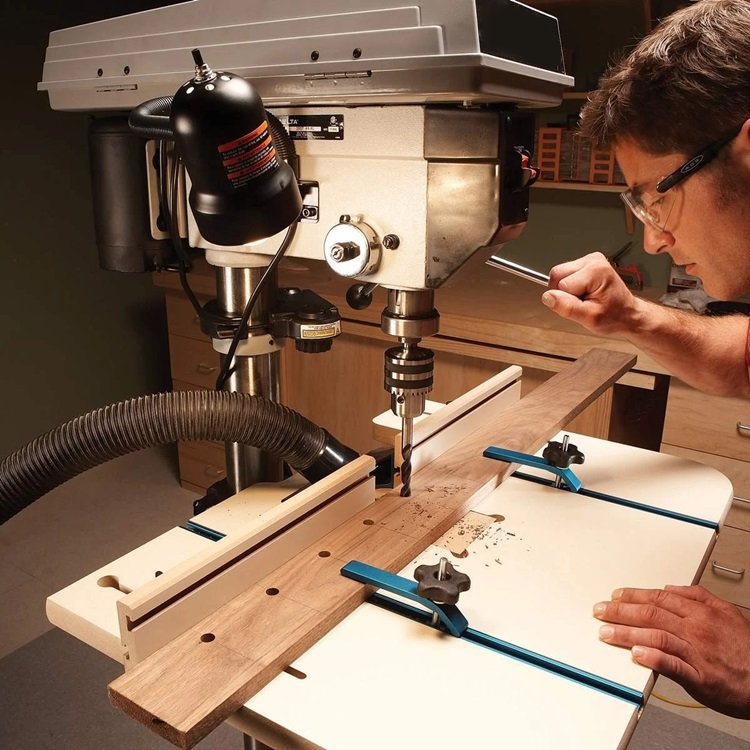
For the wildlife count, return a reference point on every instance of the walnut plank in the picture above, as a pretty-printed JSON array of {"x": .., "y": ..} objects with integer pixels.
[{"x": 190, "y": 686}]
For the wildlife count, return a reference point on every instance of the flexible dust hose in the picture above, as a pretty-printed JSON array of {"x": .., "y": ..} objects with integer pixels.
[{"x": 128, "y": 426}]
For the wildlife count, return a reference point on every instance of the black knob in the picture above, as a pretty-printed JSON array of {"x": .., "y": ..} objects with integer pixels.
[
  {"x": 562, "y": 455},
  {"x": 441, "y": 583},
  {"x": 309, "y": 346},
  {"x": 359, "y": 296}
]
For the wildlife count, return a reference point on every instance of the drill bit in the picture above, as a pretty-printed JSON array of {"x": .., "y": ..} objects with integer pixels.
[{"x": 407, "y": 436}]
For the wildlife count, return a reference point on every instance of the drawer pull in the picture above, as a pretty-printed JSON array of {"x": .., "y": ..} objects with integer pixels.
[
  {"x": 214, "y": 471},
  {"x": 742, "y": 500},
  {"x": 743, "y": 429},
  {"x": 716, "y": 567},
  {"x": 202, "y": 369}
]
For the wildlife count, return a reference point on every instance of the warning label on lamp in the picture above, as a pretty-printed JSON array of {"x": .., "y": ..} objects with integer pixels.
[
  {"x": 249, "y": 156},
  {"x": 314, "y": 127}
]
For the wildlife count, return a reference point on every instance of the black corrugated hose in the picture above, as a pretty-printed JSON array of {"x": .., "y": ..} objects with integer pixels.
[
  {"x": 128, "y": 426},
  {"x": 151, "y": 119}
]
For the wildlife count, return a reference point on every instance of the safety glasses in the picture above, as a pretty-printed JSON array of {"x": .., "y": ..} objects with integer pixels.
[{"x": 654, "y": 206}]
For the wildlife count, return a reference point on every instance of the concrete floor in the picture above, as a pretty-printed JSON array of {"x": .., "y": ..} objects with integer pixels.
[{"x": 99, "y": 516}]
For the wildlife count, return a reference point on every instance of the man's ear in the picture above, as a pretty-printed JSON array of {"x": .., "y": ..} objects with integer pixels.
[{"x": 743, "y": 145}]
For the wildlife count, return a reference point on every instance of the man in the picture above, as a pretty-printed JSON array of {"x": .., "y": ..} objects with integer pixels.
[{"x": 677, "y": 112}]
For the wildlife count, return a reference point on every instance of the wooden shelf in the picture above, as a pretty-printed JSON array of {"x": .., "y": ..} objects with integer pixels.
[{"x": 584, "y": 186}]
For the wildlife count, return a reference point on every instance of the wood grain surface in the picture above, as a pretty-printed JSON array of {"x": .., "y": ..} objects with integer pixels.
[
  {"x": 477, "y": 304},
  {"x": 190, "y": 686}
]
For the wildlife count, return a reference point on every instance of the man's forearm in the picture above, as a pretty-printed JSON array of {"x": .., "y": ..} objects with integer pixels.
[{"x": 706, "y": 352}]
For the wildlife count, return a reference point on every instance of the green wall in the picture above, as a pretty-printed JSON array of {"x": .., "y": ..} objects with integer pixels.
[
  {"x": 566, "y": 224},
  {"x": 72, "y": 337}
]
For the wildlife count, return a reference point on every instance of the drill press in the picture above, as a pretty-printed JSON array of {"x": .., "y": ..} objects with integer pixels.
[{"x": 412, "y": 136}]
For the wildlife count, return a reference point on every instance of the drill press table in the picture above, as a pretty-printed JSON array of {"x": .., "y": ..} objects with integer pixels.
[{"x": 380, "y": 679}]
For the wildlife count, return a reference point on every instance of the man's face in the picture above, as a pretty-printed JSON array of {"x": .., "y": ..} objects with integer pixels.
[{"x": 706, "y": 223}]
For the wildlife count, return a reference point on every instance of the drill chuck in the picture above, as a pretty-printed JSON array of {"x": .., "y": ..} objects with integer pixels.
[{"x": 408, "y": 377}]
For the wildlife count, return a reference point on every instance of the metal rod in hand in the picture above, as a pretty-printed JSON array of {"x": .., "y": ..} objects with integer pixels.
[{"x": 518, "y": 270}]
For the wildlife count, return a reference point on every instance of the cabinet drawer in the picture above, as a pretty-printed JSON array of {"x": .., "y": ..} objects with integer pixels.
[
  {"x": 732, "y": 552},
  {"x": 181, "y": 317},
  {"x": 201, "y": 464},
  {"x": 194, "y": 362},
  {"x": 706, "y": 423},
  {"x": 738, "y": 473}
]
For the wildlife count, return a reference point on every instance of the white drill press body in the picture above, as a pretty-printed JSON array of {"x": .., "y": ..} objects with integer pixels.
[{"x": 397, "y": 112}]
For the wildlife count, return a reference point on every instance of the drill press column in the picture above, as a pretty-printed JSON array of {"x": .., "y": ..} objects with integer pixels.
[{"x": 410, "y": 316}]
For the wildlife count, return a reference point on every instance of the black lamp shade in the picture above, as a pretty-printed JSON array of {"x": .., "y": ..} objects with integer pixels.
[{"x": 242, "y": 191}]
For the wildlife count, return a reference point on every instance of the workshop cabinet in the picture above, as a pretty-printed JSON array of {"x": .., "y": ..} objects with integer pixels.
[
  {"x": 707, "y": 429},
  {"x": 706, "y": 423},
  {"x": 726, "y": 573}
]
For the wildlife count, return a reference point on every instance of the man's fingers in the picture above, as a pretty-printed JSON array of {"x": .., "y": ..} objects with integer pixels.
[
  {"x": 564, "y": 304},
  {"x": 638, "y": 615},
  {"x": 681, "y": 600},
  {"x": 696, "y": 594},
  {"x": 565, "y": 269},
  {"x": 669, "y": 665},
  {"x": 656, "y": 649},
  {"x": 668, "y": 599},
  {"x": 660, "y": 640},
  {"x": 572, "y": 266}
]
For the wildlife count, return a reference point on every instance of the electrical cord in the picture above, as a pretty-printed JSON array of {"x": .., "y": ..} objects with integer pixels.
[
  {"x": 168, "y": 188},
  {"x": 168, "y": 203},
  {"x": 683, "y": 704},
  {"x": 285, "y": 148},
  {"x": 241, "y": 332}
]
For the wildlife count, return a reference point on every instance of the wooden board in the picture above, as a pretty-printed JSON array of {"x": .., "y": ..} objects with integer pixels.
[
  {"x": 191, "y": 685},
  {"x": 153, "y": 613}
]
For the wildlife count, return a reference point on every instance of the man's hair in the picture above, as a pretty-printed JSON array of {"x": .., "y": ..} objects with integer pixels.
[{"x": 684, "y": 86}]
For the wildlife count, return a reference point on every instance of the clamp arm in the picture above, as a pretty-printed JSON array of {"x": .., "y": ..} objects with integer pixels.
[
  {"x": 526, "y": 459},
  {"x": 455, "y": 623}
]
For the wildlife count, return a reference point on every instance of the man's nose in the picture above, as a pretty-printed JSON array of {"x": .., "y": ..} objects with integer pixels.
[{"x": 655, "y": 240}]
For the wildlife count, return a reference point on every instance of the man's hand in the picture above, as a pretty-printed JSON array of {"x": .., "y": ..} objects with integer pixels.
[
  {"x": 589, "y": 292},
  {"x": 689, "y": 635}
]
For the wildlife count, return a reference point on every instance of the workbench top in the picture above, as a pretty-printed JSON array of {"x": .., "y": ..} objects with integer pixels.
[
  {"x": 482, "y": 304},
  {"x": 478, "y": 303}
]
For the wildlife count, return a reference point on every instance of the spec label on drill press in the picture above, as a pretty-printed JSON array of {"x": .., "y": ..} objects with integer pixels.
[
  {"x": 321, "y": 331},
  {"x": 314, "y": 127}
]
